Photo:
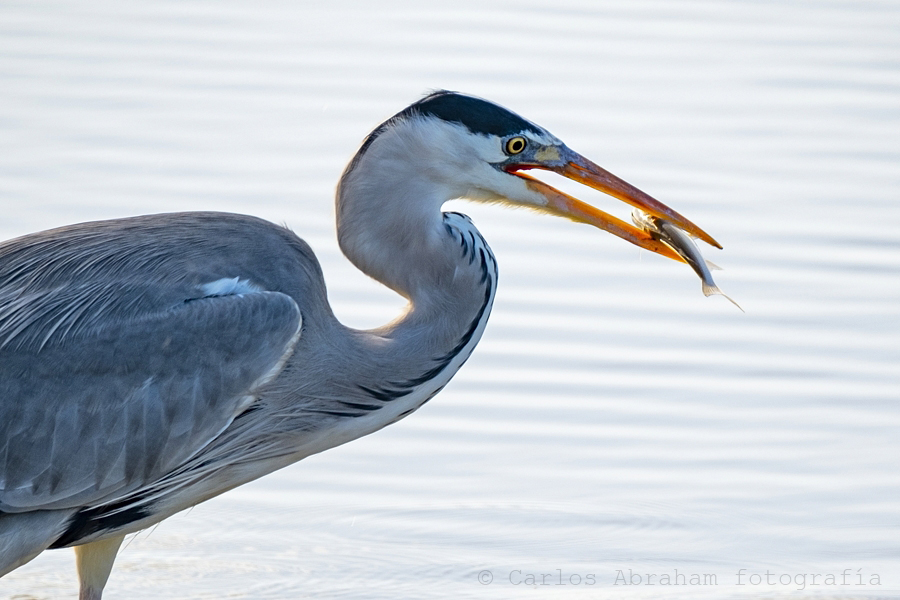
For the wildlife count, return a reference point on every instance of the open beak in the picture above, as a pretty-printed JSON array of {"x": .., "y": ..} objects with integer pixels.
[{"x": 580, "y": 169}]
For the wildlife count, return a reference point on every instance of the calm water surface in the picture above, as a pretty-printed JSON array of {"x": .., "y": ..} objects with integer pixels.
[{"x": 613, "y": 422}]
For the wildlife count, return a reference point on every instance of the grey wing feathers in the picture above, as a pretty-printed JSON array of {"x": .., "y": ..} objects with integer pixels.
[{"x": 111, "y": 376}]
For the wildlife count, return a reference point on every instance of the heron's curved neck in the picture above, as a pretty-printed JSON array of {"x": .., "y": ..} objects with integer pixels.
[
  {"x": 410, "y": 360},
  {"x": 390, "y": 225}
]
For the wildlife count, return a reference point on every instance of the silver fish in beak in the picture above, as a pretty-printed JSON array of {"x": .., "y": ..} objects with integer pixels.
[{"x": 684, "y": 246}]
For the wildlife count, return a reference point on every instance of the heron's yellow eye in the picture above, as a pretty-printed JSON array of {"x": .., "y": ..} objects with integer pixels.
[{"x": 515, "y": 145}]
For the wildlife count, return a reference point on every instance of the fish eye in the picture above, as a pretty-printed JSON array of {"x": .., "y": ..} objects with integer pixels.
[{"x": 515, "y": 145}]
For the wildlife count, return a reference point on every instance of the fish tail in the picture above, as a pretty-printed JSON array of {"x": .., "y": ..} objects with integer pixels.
[{"x": 709, "y": 290}]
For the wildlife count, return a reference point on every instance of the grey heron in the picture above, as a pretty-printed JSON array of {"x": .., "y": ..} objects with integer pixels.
[{"x": 150, "y": 363}]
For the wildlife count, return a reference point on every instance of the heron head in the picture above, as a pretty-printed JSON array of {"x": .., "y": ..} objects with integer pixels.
[
  {"x": 450, "y": 145},
  {"x": 475, "y": 149}
]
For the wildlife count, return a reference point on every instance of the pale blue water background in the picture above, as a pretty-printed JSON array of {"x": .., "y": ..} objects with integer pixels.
[{"x": 612, "y": 419}]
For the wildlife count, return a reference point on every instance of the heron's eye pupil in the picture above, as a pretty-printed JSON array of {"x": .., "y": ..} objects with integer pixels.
[{"x": 515, "y": 145}]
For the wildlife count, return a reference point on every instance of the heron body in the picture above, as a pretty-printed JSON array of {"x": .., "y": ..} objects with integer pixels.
[{"x": 151, "y": 363}]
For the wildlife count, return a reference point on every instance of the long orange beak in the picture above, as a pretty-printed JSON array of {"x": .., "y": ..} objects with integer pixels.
[{"x": 580, "y": 169}]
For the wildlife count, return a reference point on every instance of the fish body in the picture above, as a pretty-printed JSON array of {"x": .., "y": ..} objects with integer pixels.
[{"x": 684, "y": 246}]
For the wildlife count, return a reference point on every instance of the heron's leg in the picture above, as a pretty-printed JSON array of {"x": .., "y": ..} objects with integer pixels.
[{"x": 94, "y": 562}]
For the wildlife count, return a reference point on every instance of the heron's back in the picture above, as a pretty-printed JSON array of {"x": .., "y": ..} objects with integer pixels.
[{"x": 127, "y": 345}]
